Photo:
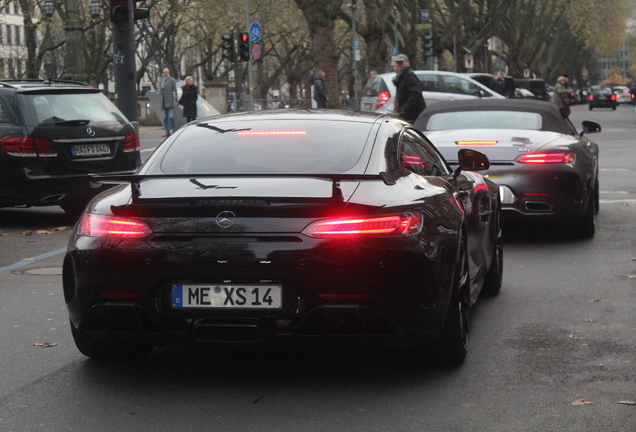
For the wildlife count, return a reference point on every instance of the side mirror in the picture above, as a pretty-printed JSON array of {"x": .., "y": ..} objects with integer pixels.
[
  {"x": 590, "y": 127},
  {"x": 472, "y": 160}
]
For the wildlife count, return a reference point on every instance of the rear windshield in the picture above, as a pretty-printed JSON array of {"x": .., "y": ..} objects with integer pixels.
[
  {"x": 58, "y": 108},
  {"x": 374, "y": 87},
  {"x": 273, "y": 146},
  {"x": 485, "y": 120}
]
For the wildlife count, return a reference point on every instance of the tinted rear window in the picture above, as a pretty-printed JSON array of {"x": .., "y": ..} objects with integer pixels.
[
  {"x": 485, "y": 120},
  {"x": 374, "y": 87},
  {"x": 56, "y": 108},
  {"x": 273, "y": 146}
]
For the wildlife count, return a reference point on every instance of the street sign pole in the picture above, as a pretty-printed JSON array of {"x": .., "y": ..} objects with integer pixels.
[
  {"x": 249, "y": 62},
  {"x": 124, "y": 63}
]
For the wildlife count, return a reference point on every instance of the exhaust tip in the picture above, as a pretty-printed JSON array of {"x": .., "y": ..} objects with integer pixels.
[{"x": 53, "y": 198}]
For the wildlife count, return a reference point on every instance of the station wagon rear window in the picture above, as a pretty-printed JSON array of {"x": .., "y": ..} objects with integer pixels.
[{"x": 485, "y": 120}]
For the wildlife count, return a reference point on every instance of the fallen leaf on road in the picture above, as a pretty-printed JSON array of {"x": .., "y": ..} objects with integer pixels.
[
  {"x": 632, "y": 276},
  {"x": 28, "y": 259},
  {"x": 588, "y": 320},
  {"x": 576, "y": 337},
  {"x": 582, "y": 402},
  {"x": 45, "y": 344},
  {"x": 595, "y": 301},
  {"x": 626, "y": 402},
  {"x": 43, "y": 232},
  {"x": 64, "y": 228},
  {"x": 468, "y": 405},
  {"x": 3, "y": 235},
  {"x": 25, "y": 233}
]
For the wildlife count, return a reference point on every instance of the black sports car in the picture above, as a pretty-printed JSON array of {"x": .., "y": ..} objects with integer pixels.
[
  {"x": 292, "y": 225},
  {"x": 547, "y": 171}
]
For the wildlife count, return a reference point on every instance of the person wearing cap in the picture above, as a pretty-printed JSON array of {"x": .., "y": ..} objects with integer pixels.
[{"x": 409, "y": 102}]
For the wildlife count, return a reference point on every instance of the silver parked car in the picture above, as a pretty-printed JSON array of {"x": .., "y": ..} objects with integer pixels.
[{"x": 437, "y": 86}]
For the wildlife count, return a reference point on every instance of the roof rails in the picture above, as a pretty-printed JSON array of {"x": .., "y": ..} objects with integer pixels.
[{"x": 11, "y": 82}]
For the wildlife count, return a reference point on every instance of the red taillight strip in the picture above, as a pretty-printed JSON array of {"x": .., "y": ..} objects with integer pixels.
[
  {"x": 535, "y": 194},
  {"x": 273, "y": 133},
  {"x": 23, "y": 146},
  {"x": 103, "y": 226},
  {"x": 544, "y": 158},
  {"x": 481, "y": 142},
  {"x": 385, "y": 225},
  {"x": 132, "y": 143}
]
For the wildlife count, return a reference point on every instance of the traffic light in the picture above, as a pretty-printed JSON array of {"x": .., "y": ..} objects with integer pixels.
[
  {"x": 427, "y": 40},
  {"x": 120, "y": 13},
  {"x": 228, "y": 47},
  {"x": 244, "y": 47}
]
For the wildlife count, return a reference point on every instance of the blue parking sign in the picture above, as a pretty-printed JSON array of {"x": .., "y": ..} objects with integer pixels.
[{"x": 255, "y": 32}]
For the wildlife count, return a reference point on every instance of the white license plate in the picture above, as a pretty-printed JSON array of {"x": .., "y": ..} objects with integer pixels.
[
  {"x": 227, "y": 296},
  {"x": 367, "y": 106},
  {"x": 91, "y": 150}
]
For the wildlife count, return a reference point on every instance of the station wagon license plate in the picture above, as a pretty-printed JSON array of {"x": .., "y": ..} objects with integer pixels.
[
  {"x": 226, "y": 296},
  {"x": 88, "y": 150}
]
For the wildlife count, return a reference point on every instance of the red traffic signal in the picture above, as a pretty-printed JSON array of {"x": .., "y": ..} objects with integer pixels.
[{"x": 244, "y": 47}]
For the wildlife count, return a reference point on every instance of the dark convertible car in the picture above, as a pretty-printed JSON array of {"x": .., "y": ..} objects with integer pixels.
[
  {"x": 289, "y": 226},
  {"x": 547, "y": 171}
]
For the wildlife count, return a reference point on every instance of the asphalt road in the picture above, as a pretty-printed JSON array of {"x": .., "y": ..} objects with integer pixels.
[{"x": 562, "y": 330}]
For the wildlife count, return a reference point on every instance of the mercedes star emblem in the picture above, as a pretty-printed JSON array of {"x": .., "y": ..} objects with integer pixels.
[
  {"x": 90, "y": 131},
  {"x": 225, "y": 219}
]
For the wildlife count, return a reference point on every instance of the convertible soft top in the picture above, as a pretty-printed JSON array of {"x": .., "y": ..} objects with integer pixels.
[{"x": 552, "y": 119}]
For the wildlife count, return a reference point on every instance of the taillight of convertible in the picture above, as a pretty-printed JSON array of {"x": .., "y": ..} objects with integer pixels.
[
  {"x": 402, "y": 224},
  {"x": 546, "y": 158},
  {"x": 112, "y": 226}
]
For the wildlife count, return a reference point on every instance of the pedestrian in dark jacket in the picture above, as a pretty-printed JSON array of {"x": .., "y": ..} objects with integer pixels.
[
  {"x": 409, "y": 102},
  {"x": 500, "y": 85},
  {"x": 320, "y": 92},
  {"x": 188, "y": 100}
]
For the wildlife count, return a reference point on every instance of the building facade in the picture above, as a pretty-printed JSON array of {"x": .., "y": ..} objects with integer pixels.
[{"x": 12, "y": 43}]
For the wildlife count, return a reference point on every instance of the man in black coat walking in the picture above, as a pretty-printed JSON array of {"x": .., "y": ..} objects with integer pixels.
[{"x": 409, "y": 102}]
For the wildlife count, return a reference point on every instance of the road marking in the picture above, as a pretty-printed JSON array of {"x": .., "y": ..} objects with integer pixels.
[
  {"x": 39, "y": 257},
  {"x": 614, "y": 192},
  {"x": 614, "y": 169},
  {"x": 617, "y": 201}
]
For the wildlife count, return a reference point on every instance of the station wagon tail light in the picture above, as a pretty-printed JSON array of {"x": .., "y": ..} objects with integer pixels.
[
  {"x": 23, "y": 146},
  {"x": 591, "y": 97},
  {"x": 613, "y": 97},
  {"x": 403, "y": 224},
  {"x": 132, "y": 143},
  {"x": 547, "y": 158},
  {"x": 383, "y": 98},
  {"x": 112, "y": 226}
]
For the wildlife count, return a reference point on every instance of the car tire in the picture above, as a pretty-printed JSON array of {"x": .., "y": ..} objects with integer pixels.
[
  {"x": 99, "y": 350},
  {"x": 451, "y": 345},
  {"x": 590, "y": 108},
  {"x": 597, "y": 199},
  {"x": 585, "y": 226},
  {"x": 614, "y": 108},
  {"x": 494, "y": 277}
]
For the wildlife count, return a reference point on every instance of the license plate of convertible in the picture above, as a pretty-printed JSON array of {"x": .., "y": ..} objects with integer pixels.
[{"x": 227, "y": 296}]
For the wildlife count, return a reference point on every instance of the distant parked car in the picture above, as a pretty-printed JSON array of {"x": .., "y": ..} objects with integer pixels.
[
  {"x": 602, "y": 98},
  {"x": 54, "y": 133},
  {"x": 536, "y": 86},
  {"x": 487, "y": 79},
  {"x": 522, "y": 93},
  {"x": 623, "y": 94},
  {"x": 379, "y": 92}
]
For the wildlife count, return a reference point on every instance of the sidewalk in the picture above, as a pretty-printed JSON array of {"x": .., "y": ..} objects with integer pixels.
[{"x": 151, "y": 131}]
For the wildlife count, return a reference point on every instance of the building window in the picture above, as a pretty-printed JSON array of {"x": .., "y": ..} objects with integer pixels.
[
  {"x": 1, "y": 33},
  {"x": 11, "y": 69},
  {"x": 2, "y": 74},
  {"x": 17, "y": 36},
  {"x": 9, "y": 30}
]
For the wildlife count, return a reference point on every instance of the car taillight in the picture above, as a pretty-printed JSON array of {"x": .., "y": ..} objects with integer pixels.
[
  {"x": 591, "y": 97},
  {"x": 22, "y": 146},
  {"x": 402, "y": 224},
  {"x": 383, "y": 98},
  {"x": 112, "y": 226},
  {"x": 613, "y": 97},
  {"x": 132, "y": 143},
  {"x": 545, "y": 158}
]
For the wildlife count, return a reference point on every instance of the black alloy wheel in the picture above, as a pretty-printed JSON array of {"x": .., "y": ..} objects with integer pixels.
[
  {"x": 451, "y": 345},
  {"x": 584, "y": 227}
]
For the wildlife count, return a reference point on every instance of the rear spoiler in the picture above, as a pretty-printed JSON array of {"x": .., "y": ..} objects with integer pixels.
[{"x": 135, "y": 179}]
